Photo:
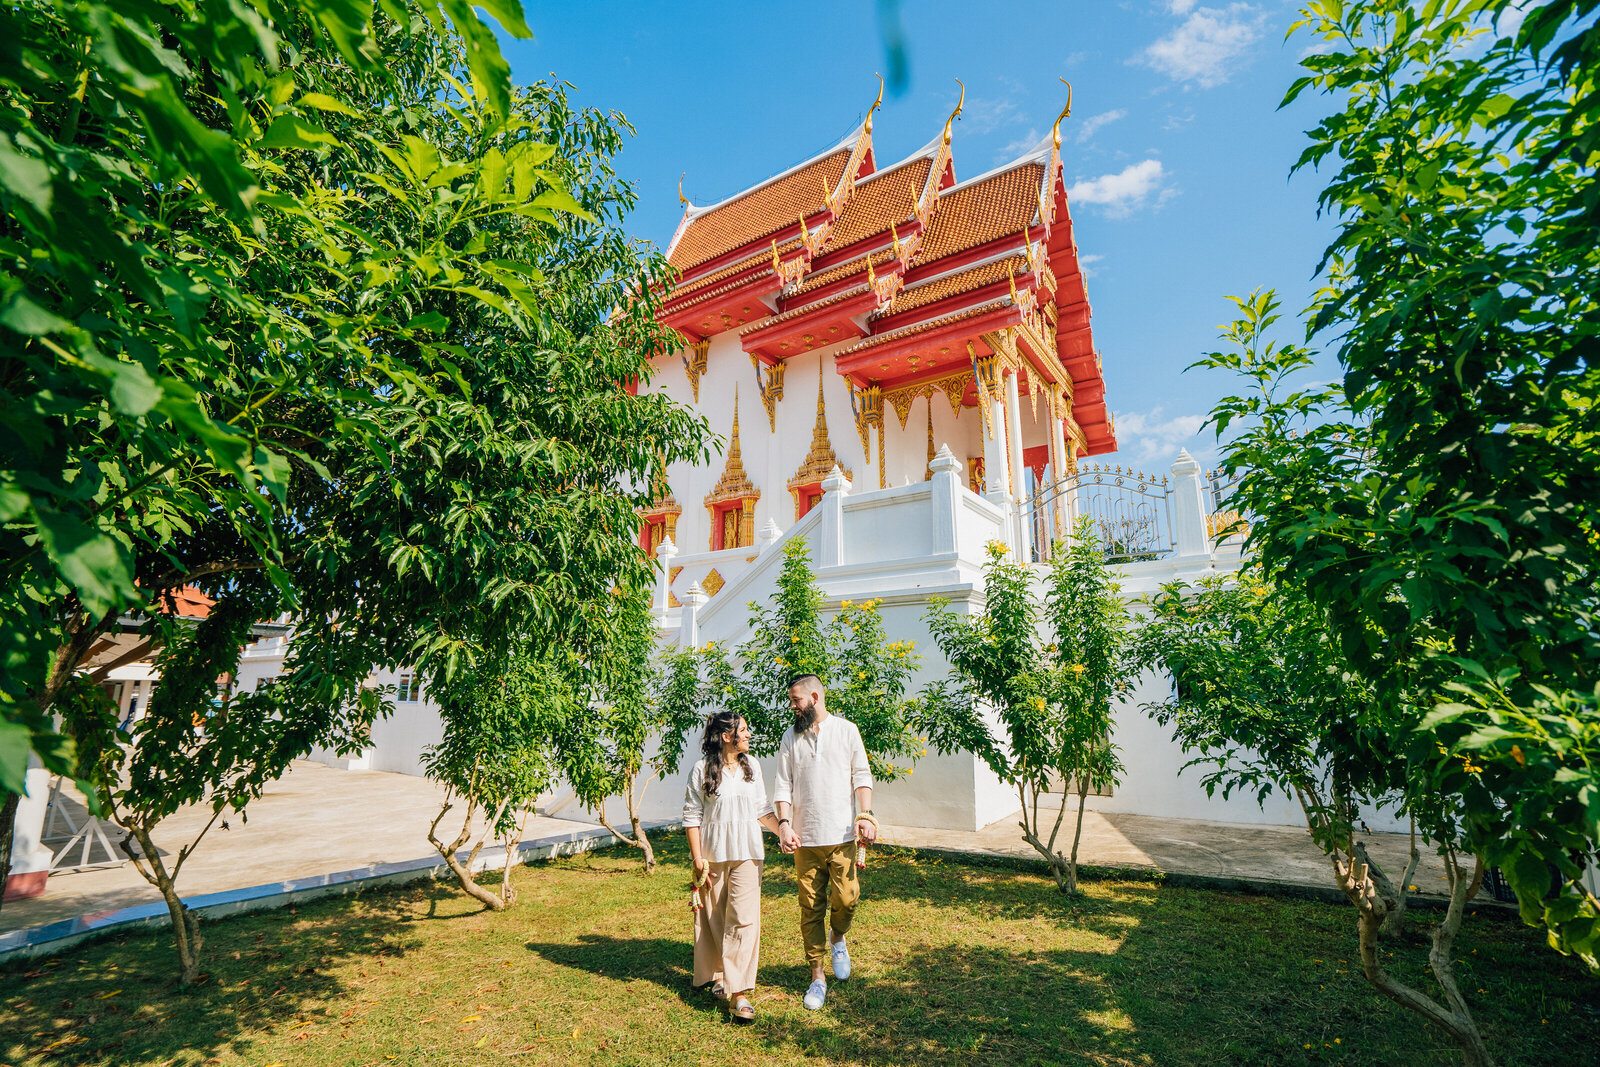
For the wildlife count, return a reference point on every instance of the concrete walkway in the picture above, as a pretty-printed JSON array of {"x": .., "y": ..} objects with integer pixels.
[
  {"x": 1209, "y": 853},
  {"x": 312, "y": 821},
  {"x": 318, "y": 821}
]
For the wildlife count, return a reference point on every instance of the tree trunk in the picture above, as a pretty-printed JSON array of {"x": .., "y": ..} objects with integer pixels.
[
  {"x": 1063, "y": 870},
  {"x": 644, "y": 845},
  {"x": 1077, "y": 833},
  {"x": 463, "y": 872},
  {"x": 8, "y": 820},
  {"x": 638, "y": 839},
  {"x": 185, "y": 923},
  {"x": 1358, "y": 883}
]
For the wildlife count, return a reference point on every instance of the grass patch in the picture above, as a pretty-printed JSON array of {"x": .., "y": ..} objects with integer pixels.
[{"x": 954, "y": 964}]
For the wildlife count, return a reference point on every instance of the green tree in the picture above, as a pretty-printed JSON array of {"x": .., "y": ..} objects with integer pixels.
[
  {"x": 504, "y": 732},
  {"x": 1031, "y": 684},
  {"x": 866, "y": 675},
  {"x": 645, "y": 707},
  {"x": 381, "y": 392},
  {"x": 152, "y": 332},
  {"x": 1453, "y": 513},
  {"x": 1264, "y": 697}
]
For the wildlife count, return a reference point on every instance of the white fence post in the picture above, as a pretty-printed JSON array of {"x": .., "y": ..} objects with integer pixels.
[
  {"x": 694, "y": 598},
  {"x": 830, "y": 531},
  {"x": 666, "y": 552},
  {"x": 946, "y": 498},
  {"x": 1189, "y": 533}
]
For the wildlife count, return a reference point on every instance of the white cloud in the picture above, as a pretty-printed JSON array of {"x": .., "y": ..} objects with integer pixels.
[
  {"x": 1180, "y": 7},
  {"x": 1088, "y": 127},
  {"x": 1207, "y": 47},
  {"x": 1085, "y": 263},
  {"x": 1019, "y": 146},
  {"x": 1150, "y": 439},
  {"x": 1129, "y": 189},
  {"x": 986, "y": 116}
]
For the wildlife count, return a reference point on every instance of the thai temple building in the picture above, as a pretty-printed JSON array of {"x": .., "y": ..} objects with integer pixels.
[
  {"x": 861, "y": 316},
  {"x": 901, "y": 365},
  {"x": 901, "y": 362}
]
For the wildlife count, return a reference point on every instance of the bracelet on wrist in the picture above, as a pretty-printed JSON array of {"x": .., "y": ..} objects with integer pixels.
[{"x": 782, "y": 821}]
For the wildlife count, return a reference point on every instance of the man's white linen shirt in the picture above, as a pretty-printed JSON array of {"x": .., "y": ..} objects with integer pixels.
[
  {"x": 728, "y": 821},
  {"x": 818, "y": 774}
]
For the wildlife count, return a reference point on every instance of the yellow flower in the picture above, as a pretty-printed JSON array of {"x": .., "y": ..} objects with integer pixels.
[
  {"x": 861, "y": 674},
  {"x": 847, "y": 603},
  {"x": 1079, "y": 668}
]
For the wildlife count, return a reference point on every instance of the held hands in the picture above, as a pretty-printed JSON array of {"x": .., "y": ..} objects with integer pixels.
[{"x": 788, "y": 840}]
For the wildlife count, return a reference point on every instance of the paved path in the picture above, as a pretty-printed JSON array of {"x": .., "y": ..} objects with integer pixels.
[
  {"x": 314, "y": 820},
  {"x": 1266, "y": 856},
  {"x": 317, "y": 820}
]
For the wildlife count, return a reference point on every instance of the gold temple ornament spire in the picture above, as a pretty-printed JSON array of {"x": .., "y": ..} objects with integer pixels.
[
  {"x": 683, "y": 200},
  {"x": 1066, "y": 112},
  {"x": 956, "y": 113},
  {"x": 875, "y": 103}
]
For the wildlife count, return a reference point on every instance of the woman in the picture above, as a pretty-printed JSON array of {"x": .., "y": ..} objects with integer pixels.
[{"x": 724, "y": 809}]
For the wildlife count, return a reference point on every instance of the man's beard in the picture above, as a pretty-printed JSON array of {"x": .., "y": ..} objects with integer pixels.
[{"x": 805, "y": 718}]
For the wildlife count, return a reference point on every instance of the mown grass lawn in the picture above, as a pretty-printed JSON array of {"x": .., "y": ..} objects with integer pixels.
[{"x": 954, "y": 964}]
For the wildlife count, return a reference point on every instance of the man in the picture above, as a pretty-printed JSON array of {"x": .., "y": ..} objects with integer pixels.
[{"x": 820, "y": 764}]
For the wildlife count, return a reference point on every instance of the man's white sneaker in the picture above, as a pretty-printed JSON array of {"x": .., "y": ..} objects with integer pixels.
[
  {"x": 814, "y": 995},
  {"x": 841, "y": 960}
]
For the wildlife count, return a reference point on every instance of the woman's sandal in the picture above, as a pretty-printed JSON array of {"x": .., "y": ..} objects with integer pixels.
[
  {"x": 742, "y": 1011},
  {"x": 719, "y": 992}
]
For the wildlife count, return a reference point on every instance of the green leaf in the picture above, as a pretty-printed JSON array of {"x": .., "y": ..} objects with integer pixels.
[
  {"x": 292, "y": 131},
  {"x": 16, "y": 742},
  {"x": 432, "y": 321},
  {"x": 25, "y": 176},
  {"x": 324, "y": 102},
  {"x": 561, "y": 200},
  {"x": 509, "y": 14},
  {"x": 133, "y": 391},
  {"x": 20, "y": 313},
  {"x": 93, "y": 563}
]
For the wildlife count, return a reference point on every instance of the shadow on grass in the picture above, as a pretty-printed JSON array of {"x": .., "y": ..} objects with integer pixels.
[
  {"x": 650, "y": 959},
  {"x": 118, "y": 1000}
]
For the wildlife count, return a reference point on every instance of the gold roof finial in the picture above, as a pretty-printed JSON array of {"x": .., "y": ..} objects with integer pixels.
[
  {"x": 895, "y": 237},
  {"x": 875, "y": 103},
  {"x": 872, "y": 275},
  {"x": 777, "y": 262},
  {"x": 956, "y": 113},
  {"x": 805, "y": 232},
  {"x": 681, "y": 198},
  {"x": 1011, "y": 275},
  {"x": 1055, "y": 131}
]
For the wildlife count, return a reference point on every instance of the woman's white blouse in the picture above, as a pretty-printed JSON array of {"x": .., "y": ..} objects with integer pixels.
[{"x": 728, "y": 827}]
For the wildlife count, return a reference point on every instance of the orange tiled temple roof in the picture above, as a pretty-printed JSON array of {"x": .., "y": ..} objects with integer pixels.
[
  {"x": 964, "y": 281},
  {"x": 887, "y": 198},
  {"x": 979, "y": 212},
  {"x": 762, "y": 212}
]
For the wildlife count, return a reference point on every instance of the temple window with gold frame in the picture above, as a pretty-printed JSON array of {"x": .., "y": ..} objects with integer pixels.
[{"x": 731, "y": 504}]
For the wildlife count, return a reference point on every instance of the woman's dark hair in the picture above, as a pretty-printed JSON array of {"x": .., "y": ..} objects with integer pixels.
[{"x": 723, "y": 722}]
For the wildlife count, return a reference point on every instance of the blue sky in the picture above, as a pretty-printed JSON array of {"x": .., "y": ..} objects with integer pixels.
[{"x": 1176, "y": 156}]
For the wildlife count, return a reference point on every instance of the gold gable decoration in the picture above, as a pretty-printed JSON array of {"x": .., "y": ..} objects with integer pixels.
[
  {"x": 770, "y": 381},
  {"x": 821, "y": 459},
  {"x": 694, "y": 365},
  {"x": 734, "y": 487}
]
